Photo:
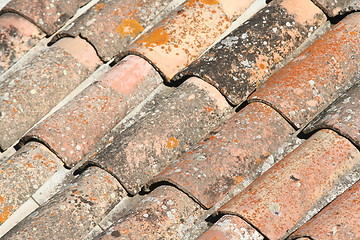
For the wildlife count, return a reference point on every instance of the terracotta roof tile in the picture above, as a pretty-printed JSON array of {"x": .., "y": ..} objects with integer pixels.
[
  {"x": 22, "y": 174},
  {"x": 97, "y": 110},
  {"x": 167, "y": 126},
  {"x": 342, "y": 116},
  {"x": 231, "y": 227},
  {"x": 17, "y": 36},
  {"x": 243, "y": 59},
  {"x": 34, "y": 89},
  {"x": 73, "y": 212},
  {"x": 179, "y": 39},
  {"x": 318, "y": 76},
  {"x": 112, "y": 151},
  {"x": 236, "y": 152},
  {"x": 336, "y": 7},
  {"x": 48, "y": 15},
  {"x": 111, "y": 25},
  {"x": 164, "y": 214},
  {"x": 339, "y": 220},
  {"x": 303, "y": 178}
]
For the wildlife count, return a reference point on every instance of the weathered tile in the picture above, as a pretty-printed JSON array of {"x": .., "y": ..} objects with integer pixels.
[
  {"x": 339, "y": 220},
  {"x": 17, "y": 36},
  {"x": 176, "y": 41},
  {"x": 316, "y": 77},
  {"x": 236, "y": 152},
  {"x": 73, "y": 212},
  {"x": 111, "y": 25},
  {"x": 335, "y": 7},
  {"x": 73, "y": 130},
  {"x": 48, "y": 15},
  {"x": 231, "y": 227},
  {"x": 247, "y": 56},
  {"x": 165, "y": 127},
  {"x": 278, "y": 201},
  {"x": 163, "y": 214},
  {"x": 35, "y": 88},
  {"x": 342, "y": 116},
  {"x": 22, "y": 174}
]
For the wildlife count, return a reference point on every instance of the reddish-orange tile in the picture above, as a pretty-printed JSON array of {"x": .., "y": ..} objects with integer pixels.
[
  {"x": 236, "y": 152},
  {"x": 165, "y": 128},
  {"x": 22, "y": 174},
  {"x": 110, "y": 25},
  {"x": 48, "y": 15},
  {"x": 298, "y": 185},
  {"x": 231, "y": 227},
  {"x": 339, "y": 220},
  {"x": 343, "y": 116},
  {"x": 247, "y": 56},
  {"x": 17, "y": 36},
  {"x": 73, "y": 131},
  {"x": 180, "y": 38},
  {"x": 39, "y": 85},
  {"x": 336, "y": 7},
  {"x": 166, "y": 213},
  {"x": 318, "y": 76},
  {"x": 74, "y": 211}
]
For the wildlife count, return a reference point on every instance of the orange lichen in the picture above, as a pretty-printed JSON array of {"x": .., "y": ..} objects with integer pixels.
[
  {"x": 209, "y": 2},
  {"x": 157, "y": 37},
  {"x": 99, "y": 6},
  {"x": 129, "y": 27},
  {"x": 172, "y": 142},
  {"x": 5, "y": 214},
  {"x": 1, "y": 199},
  {"x": 238, "y": 179},
  {"x": 208, "y": 109}
]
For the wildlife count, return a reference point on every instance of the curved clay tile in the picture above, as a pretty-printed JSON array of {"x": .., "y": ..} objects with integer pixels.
[
  {"x": 237, "y": 152},
  {"x": 181, "y": 37},
  {"x": 110, "y": 25},
  {"x": 96, "y": 110},
  {"x": 316, "y": 77},
  {"x": 48, "y": 15},
  {"x": 17, "y": 36},
  {"x": 31, "y": 91},
  {"x": 343, "y": 116},
  {"x": 248, "y": 55},
  {"x": 298, "y": 186}
]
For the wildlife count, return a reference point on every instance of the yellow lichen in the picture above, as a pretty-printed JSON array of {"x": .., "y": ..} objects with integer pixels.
[{"x": 129, "y": 27}]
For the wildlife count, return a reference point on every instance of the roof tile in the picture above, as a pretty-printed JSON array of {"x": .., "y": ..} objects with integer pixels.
[
  {"x": 179, "y": 39},
  {"x": 247, "y": 56},
  {"x": 342, "y": 116},
  {"x": 165, "y": 127},
  {"x": 48, "y": 15},
  {"x": 231, "y": 227},
  {"x": 303, "y": 178},
  {"x": 17, "y": 36},
  {"x": 97, "y": 109},
  {"x": 111, "y": 25},
  {"x": 318, "y": 76},
  {"x": 165, "y": 213},
  {"x": 22, "y": 174},
  {"x": 73, "y": 212},
  {"x": 37, "y": 86},
  {"x": 236, "y": 152},
  {"x": 334, "y": 7},
  {"x": 339, "y": 220}
]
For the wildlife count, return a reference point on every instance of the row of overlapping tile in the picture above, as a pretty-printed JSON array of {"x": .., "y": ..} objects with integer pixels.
[{"x": 174, "y": 153}]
